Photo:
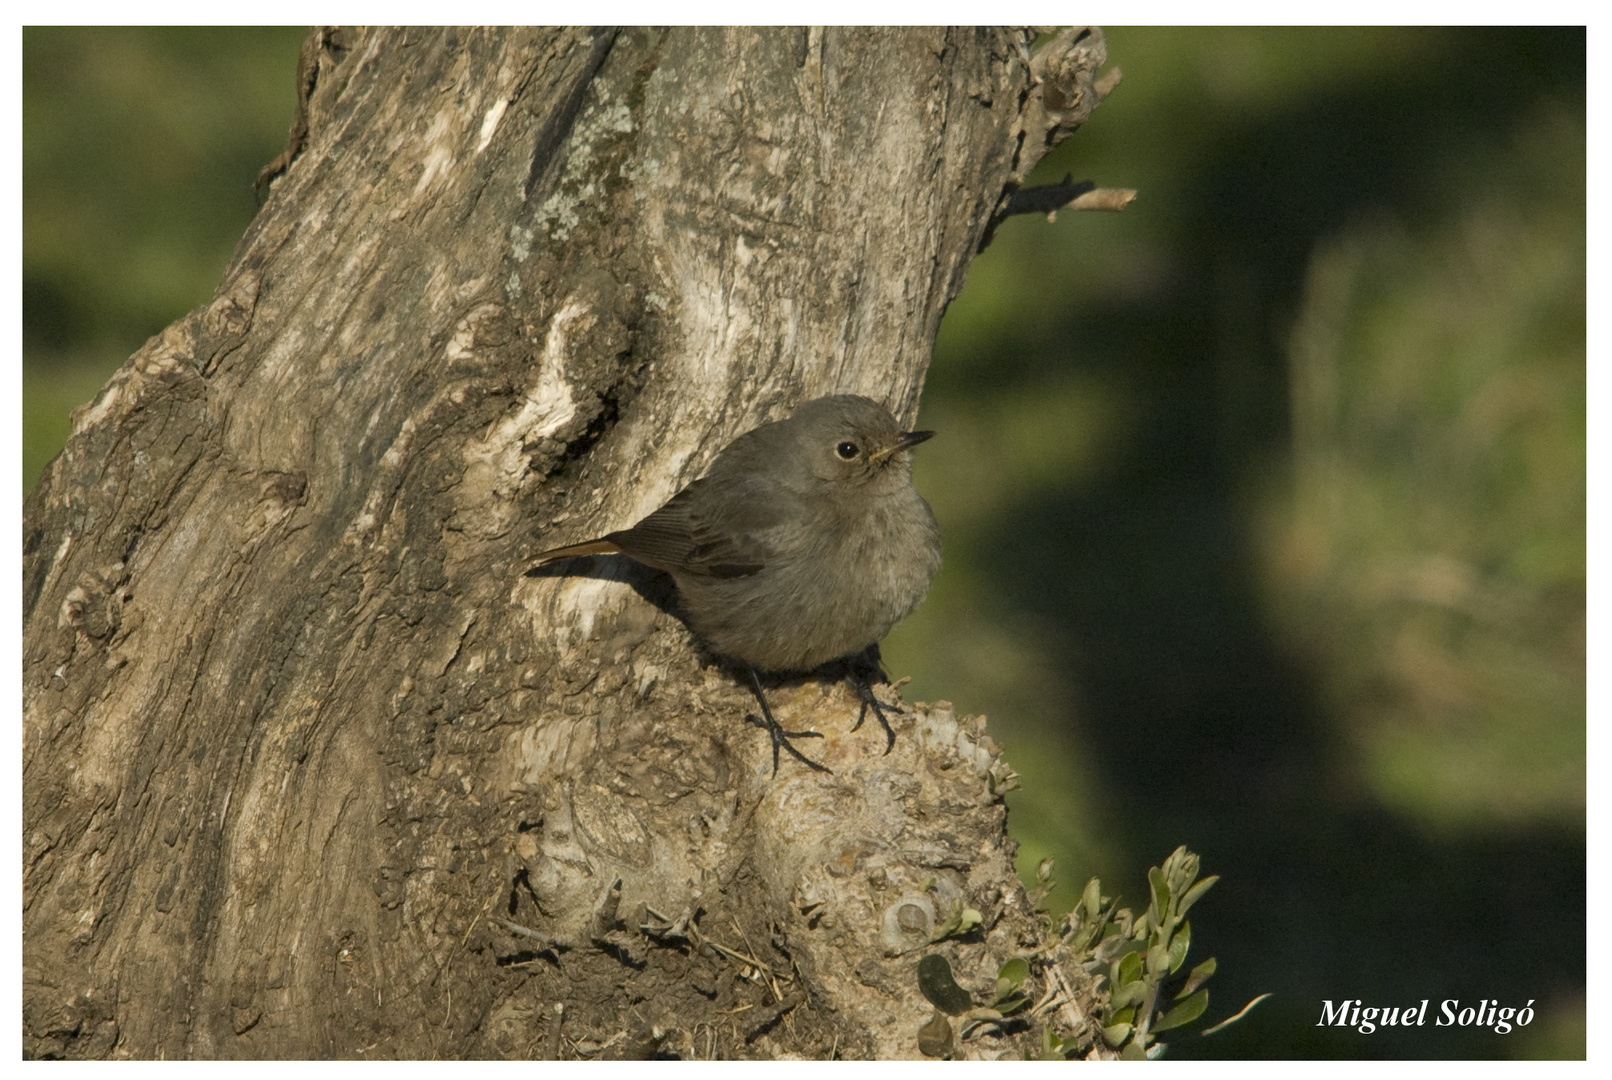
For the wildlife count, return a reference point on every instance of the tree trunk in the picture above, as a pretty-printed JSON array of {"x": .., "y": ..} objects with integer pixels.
[{"x": 312, "y": 768}]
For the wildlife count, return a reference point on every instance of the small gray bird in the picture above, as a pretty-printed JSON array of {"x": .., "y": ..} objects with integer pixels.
[{"x": 805, "y": 542}]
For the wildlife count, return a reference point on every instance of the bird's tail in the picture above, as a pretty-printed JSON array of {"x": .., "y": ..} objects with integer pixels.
[{"x": 571, "y": 551}]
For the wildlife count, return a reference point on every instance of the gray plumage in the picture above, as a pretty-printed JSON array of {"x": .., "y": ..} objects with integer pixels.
[{"x": 805, "y": 542}]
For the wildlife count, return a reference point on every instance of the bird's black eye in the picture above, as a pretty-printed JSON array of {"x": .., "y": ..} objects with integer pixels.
[{"x": 847, "y": 450}]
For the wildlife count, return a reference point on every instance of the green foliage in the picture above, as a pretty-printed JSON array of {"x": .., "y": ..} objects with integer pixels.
[
  {"x": 1140, "y": 954},
  {"x": 961, "y": 921},
  {"x": 1008, "y": 980}
]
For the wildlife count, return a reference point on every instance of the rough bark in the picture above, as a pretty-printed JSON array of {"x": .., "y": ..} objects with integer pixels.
[{"x": 311, "y": 768}]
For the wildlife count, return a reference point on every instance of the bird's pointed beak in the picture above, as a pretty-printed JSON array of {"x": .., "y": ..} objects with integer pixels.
[
  {"x": 906, "y": 441},
  {"x": 909, "y": 439}
]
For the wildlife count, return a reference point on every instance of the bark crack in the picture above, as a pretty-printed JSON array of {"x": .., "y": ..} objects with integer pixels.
[{"x": 559, "y": 123}]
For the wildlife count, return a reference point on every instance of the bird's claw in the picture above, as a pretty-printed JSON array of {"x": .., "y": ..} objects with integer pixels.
[
  {"x": 781, "y": 737},
  {"x": 870, "y": 700}
]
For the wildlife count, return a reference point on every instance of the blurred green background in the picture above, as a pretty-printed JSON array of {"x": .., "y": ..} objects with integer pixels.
[{"x": 1264, "y": 501}]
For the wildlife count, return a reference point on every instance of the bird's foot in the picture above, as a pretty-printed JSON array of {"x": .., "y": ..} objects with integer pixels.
[
  {"x": 780, "y": 736},
  {"x": 871, "y": 701}
]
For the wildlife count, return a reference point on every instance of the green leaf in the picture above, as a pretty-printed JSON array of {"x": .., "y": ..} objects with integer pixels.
[
  {"x": 1197, "y": 891},
  {"x": 1010, "y": 1005},
  {"x": 1158, "y": 960},
  {"x": 1115, "y": 1034},
  {"x": 1133, "y": 1052},
  {"x": 1180, "y": 869},
  {"x": 1184, "y": 1013},
  {"x": 963, "y": 920},
  {"x": 1127, "y": 969},
  {"x": 1179, "y": 944},
  {"x": 1161, "y": 895},
  {"x": 1092, "y": 898},
  {"x": 1010, "y": 976},
  {"x": 1001, "y": 778},
  {"x": 1051, "y": 1045},
  {"x": 1198, "y": 976},
  {"x": 1129, "y": 994},
  {"x": 936, "y": 983}
]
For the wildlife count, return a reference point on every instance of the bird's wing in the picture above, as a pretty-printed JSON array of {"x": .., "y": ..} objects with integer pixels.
[{"x": 715, "y": 526}]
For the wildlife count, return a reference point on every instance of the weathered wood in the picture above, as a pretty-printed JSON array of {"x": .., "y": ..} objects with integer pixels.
[{"x": 310, "y": 767}]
